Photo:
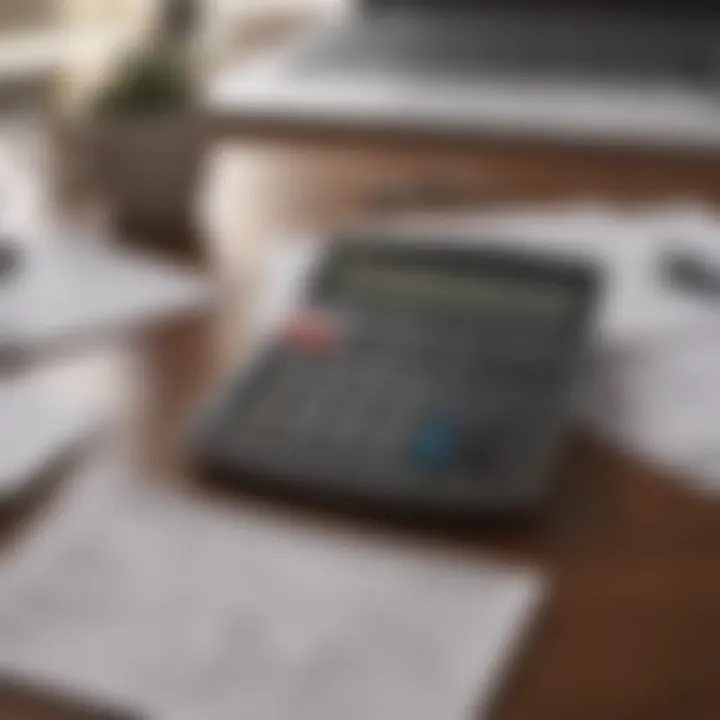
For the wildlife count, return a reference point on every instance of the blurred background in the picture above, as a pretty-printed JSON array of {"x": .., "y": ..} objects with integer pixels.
[{"x": 171, "y": 169}]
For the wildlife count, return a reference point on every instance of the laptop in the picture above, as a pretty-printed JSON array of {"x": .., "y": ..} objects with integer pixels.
[{"x": 665, "y": 42}]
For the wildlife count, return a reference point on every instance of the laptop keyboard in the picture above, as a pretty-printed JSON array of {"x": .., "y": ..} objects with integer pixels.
[{"x": 451, "y": 50}]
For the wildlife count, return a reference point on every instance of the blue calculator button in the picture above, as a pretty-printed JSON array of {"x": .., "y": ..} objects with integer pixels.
[{"x": 436, "y": 445}]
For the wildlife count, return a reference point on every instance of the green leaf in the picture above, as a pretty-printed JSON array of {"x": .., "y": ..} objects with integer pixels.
[{"x": 147, "y": 83}]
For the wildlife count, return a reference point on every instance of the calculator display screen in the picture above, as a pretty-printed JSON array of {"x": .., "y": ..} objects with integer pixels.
[{"x": 425, "y": 288}]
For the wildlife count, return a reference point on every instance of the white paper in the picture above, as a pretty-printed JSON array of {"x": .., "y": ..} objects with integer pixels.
[
  {"x": 67, "y": 289},
  {"x": 187, "y": 612},
  {"x": 38, "y": 425}
]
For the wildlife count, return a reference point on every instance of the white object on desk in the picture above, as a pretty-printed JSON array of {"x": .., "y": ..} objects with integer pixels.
[
  {"x": 188, "y": 612},
  {"x": 68, "y": 291},
  {"x": 37, "y": 428}
]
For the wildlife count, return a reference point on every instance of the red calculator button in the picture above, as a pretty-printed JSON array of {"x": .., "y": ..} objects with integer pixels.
[{"x": 311, "y": 332}]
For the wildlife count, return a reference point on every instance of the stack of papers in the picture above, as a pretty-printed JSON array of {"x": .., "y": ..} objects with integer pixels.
[
  {"x": 37, "y": 427},
  {"x": 179, "y": 611},
  {"x": 66, "y": 291},
  {"x": 71, "y": 294}
]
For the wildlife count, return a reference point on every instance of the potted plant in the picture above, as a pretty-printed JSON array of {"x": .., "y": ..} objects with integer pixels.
[{"x": 143, "y": 142}]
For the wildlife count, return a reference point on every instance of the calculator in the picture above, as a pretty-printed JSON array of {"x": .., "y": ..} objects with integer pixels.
[{"x": 413, "y": 377}]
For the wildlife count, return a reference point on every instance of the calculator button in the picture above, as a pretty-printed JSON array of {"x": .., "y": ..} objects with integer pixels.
[
  {"x": 311, "y": 332},
  {"x": 437, "y": 445}
]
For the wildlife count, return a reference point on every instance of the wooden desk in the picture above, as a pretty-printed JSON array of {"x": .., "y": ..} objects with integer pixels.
[
  {"x": 633, "y": 629},
  {"x": 303, "y": 179}
]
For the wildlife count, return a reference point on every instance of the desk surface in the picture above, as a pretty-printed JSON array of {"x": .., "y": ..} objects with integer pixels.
[{"x": 633, "y": 631}]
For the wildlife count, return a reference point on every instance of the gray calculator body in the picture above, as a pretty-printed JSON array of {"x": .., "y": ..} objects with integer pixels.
[{"x": 431, "y": 379}]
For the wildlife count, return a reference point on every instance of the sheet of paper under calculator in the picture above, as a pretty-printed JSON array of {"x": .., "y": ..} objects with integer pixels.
[{"x": 182, "y": 611}]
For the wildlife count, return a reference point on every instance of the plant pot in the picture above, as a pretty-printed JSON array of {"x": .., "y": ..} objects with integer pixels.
[{"x": 147, "y": 171}]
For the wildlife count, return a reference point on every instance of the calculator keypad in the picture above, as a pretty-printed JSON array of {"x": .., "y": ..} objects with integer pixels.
[
  {"x": 391, "y": 407},
  {"x": 415, "y": 376}
]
